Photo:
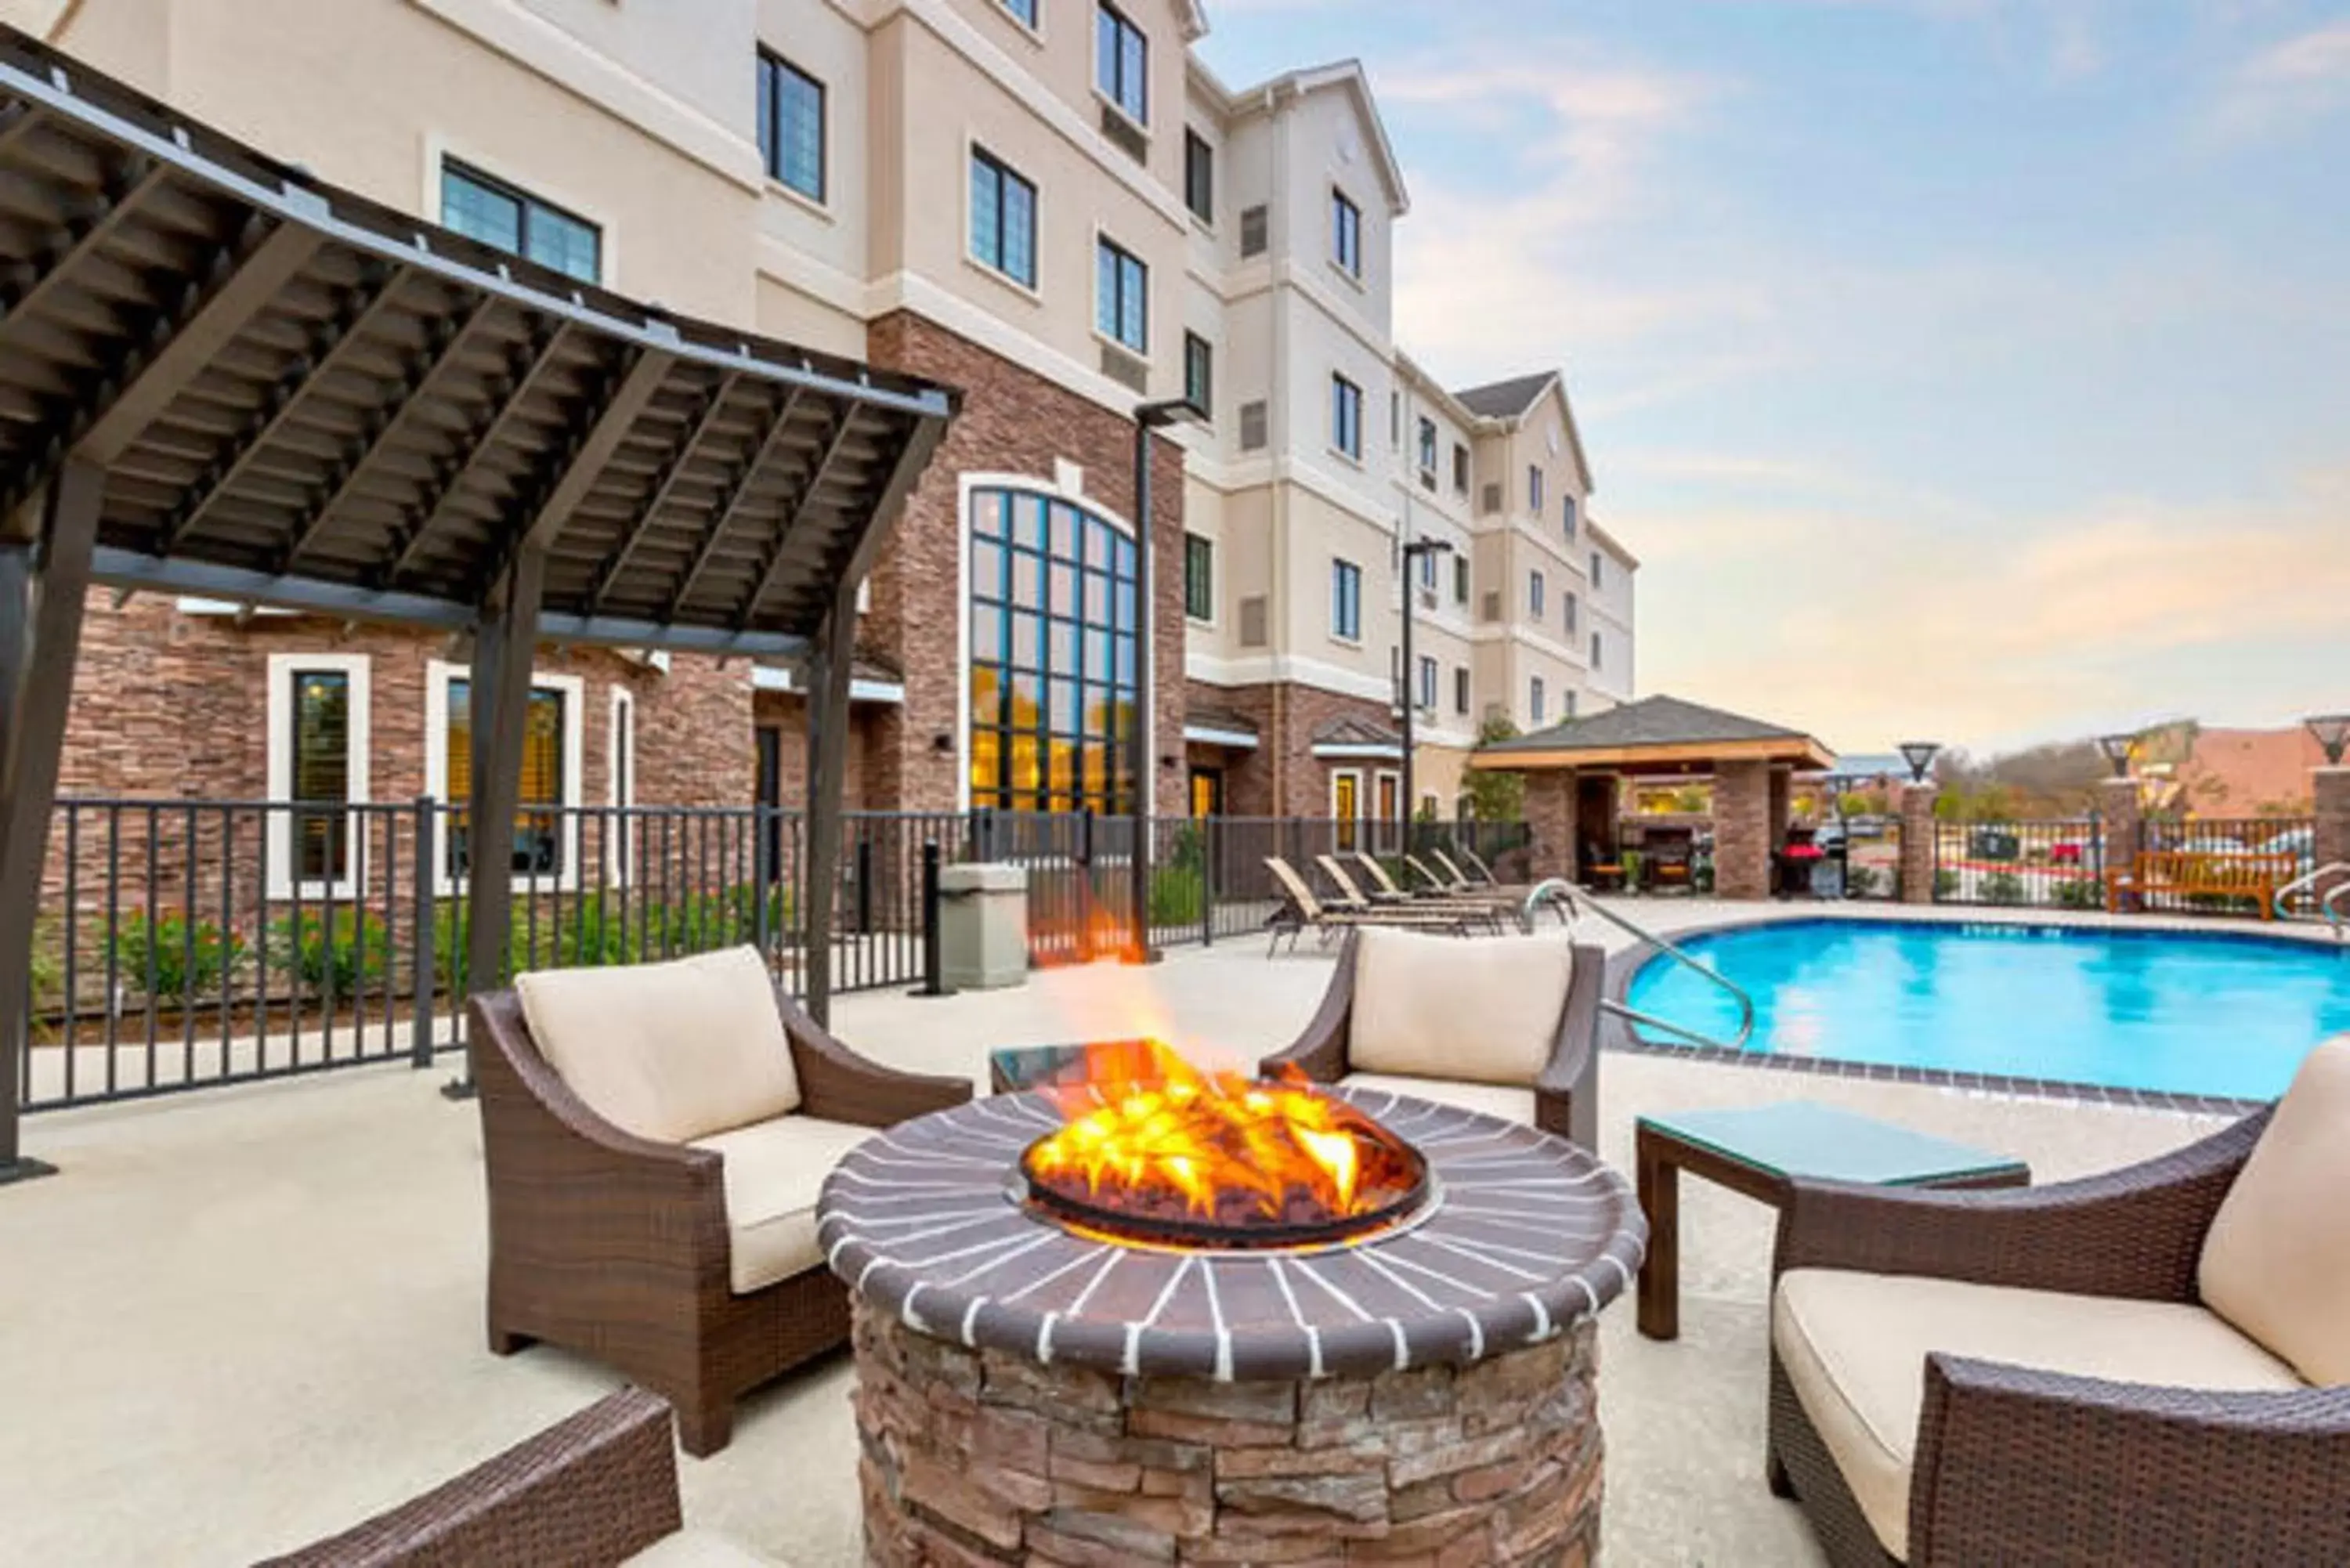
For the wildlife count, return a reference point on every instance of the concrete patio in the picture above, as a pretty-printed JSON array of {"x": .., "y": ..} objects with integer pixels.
[{"x": 245, "y": 1318}]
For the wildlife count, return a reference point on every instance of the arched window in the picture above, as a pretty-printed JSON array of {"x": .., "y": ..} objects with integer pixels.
[{"x": 1053, "y": 654}]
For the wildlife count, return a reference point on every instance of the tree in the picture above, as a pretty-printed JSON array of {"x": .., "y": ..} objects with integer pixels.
[{"x": 1496, "y": 797}]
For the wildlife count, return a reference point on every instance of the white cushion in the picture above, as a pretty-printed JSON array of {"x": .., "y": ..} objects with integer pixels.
[
  {"x": 1492, "y": 1099},
  {"x": 699, "y": 1549},
  {"x": 1435, "y": 1007},
  {"x": 670, "y": 1052},
  {"x": 1855, "y": 1348},
  {"x": 773, "y": 1174},
  {"x": 2277, "y": 1261}
]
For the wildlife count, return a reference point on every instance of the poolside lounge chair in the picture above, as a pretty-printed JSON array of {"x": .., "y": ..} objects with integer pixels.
[
  {"x": 1458, "y": 883},
  {"x": 654, "y": 1140},
  {"x": 2146, "y": 1367},
  {"x": 597, "y": 1490},
  {"x": 1508, "y": 1026},
  {"x": 1485, "y": 911},
  {"x": 1301, "y": 909},
  {"x": 1382, "y": 888}
]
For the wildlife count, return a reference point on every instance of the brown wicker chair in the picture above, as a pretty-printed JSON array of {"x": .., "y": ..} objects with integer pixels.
[
  {"x": 2019, "y": 1465},
  {"x": 597, "y": 1490},
  {"x": 1561, "y": 1097},
  {"x": 618, "y": 1247}
]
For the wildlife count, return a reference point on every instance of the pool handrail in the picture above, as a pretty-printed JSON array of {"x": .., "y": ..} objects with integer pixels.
[
  {"x": 2328, "y": 903},
  {"x": 1559, "y": 890}
]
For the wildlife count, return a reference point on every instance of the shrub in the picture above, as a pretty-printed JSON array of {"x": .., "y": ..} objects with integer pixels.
[
  {"x": 1177, "y": 895},
  {"x": 344, "y": 955},
  {"x": 162, "y": 957},
  {"x": 1946, "y": 886},
  {"x": 1861, "y": 881},
  {"x": 2002, "y": 888},
  {"x": 2079, "y": 893}
]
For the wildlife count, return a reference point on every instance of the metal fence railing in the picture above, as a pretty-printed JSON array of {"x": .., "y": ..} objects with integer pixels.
[
  {"x": 2276, "y": 849},
  {"x": 2046, "y": 865}
]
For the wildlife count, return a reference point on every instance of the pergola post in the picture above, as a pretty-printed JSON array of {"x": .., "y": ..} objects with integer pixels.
[
  {"x": 499, "y": 703},
  {"x": 829, "y": 667},
  {"x": 1742, "y": 829},
  {"x": 42, "y": 584}
]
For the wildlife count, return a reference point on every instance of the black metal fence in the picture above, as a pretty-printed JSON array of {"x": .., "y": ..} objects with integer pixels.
[
  {"x": 2057, "y": 864},
  {"x": 2271, "y": 849},
  {"x": 187, "y": 943}
]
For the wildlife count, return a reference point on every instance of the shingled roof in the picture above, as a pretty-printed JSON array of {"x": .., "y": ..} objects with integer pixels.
[
  {"x": 1666, "y": 728},
  {"x": 1506, "y": 400}
]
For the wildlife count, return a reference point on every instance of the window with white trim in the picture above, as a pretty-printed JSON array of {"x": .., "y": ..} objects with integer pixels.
[
  {"x": 546, "y": 824},
  {"x": 1536, "y": 699},
  {"x": 791, "y": 126},
  {"x": 1122, "y": 296},
  {"x": 1428, "y": 683},
  {"x": 482, "y": 207},
  {"x": 1537, "y": 594},
  {"x": 1002, "y": 218},
  {"x": 620, "y": 783},
  {"x": 316, "y": 759},
  {"x": 1122, "y": 63},
  {"x": 1345, "y": 233},
  {"x": 1346, "y": 601},
  {"x": 1346, "y": 416}
]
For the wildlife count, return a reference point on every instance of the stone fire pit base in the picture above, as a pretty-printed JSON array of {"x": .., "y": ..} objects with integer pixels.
[{"x": 982, "y": 1457}]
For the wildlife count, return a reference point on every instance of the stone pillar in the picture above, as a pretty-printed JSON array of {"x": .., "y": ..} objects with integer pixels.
[
  {"x": 1741, "y": 830},
  {"x": 1551, "y": 812},
  {"x": 1918, "y": 840},
  {"x": 1783, "y": 789},
  {"x": 2118, "y": 812},
  {"x": 2329, "y": 792}
]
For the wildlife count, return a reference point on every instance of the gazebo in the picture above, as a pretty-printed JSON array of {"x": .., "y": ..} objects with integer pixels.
[
  {"x": 1573, "y": 771},
  {"x": 222, "y": 377}
]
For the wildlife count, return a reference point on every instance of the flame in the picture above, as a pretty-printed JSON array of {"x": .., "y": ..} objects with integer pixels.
[{"x": 1148, "y": 1129}]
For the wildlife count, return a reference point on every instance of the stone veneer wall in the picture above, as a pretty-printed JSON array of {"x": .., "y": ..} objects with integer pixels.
[
  {"x": 973, "y": 1458},
  {"x": 1282, "y": 777},
  {"x": 1014, "y": 421},
  {"x": 1741, "y": 830},
  {"x": 2329, "y": 790}
]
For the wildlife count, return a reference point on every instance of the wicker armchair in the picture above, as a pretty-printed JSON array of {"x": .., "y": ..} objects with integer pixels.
[
  {"x": 597, "y": 1490},
  {"x": 1509, "y": 1025},
  {"x": 618, "y": 1245},
  {"x": 2144, "y": 1405}
]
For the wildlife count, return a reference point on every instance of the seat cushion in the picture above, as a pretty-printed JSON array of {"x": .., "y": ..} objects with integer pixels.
[
  {"x": 1492, "y": 1099},
  {"x": 774, "y": 1173},
  {"x": 1434, "y": 1007},
  {"x": 1855, "y": 1347},
  {"x": 2276, "y": 1262},
  {"x": 699, "y": 1549},
  {"x": 670, "y": 1052}
]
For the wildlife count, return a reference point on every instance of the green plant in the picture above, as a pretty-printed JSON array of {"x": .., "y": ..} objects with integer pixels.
[
  {"x": 2079, "y": 893},
  {"x": 1496, "y": 797},
  {"x": 1946, "y": 886},
  {"x": 1632, "y": 860},
  {"x": 2002, "y": 888},
  {"x": 162, "y": 956},
  {"x": 1177, "y": 895},
  {"x": 1861, "y": 881},
  {"x": 345, "y": 954}
]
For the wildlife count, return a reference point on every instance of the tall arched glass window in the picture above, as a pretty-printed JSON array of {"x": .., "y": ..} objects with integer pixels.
[{"x": 1053, "y": 654}]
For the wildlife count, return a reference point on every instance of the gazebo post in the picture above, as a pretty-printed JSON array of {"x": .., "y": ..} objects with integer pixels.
[
  {"x": 498, "y": 693},
  {"x": 40, "y": 640},
  {"x": 830, "y": 668}
]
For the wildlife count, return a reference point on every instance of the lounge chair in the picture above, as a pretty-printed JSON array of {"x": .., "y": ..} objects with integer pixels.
[
  {"x": 654, "y": 1140},
  {"x": 1456, "y": 881},
  {"x": 1351, "y": 897},
  {"x": 1508, "y": 1026},
  {"x": 1301, "y": 909},
  {"x": 597, "y": 1490},
  {"x": 1383, "y": 887},
  {"x": 2146, "y": 1367}
]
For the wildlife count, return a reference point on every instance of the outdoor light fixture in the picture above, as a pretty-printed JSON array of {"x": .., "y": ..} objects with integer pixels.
[
  {"x": 1919, "y": 755},
  {"x": 2117, "y": 750},
  {"x": 2333, "y": 732}
]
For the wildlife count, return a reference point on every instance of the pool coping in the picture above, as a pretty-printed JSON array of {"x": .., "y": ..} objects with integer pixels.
[{"x": 1616, "y": 1032}]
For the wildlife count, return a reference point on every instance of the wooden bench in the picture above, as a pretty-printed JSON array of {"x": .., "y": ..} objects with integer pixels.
[{"x": 2226, "y": 873}]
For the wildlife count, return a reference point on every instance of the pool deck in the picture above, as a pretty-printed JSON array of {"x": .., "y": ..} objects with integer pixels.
[{"x": 246, "y": 1317}]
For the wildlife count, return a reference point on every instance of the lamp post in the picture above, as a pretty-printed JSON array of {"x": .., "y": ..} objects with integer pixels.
[
  {"x": 1919, "y": 755},
  {"x": 1143, "y": 746},
  {"x": 2117, "y": 750},
  {"x": 1414, "y": 551},
  {"x": 2332, "y": 733}
]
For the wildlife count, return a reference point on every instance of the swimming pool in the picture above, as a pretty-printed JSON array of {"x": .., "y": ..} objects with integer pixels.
[{"x": 2219, "y": 1014}]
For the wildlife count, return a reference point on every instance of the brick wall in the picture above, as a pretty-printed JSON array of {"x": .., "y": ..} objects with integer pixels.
[
  {"x": 1741, "y": 830},
  {"x": 1282, "y": 777},
  {"x": 1014, "y": 421}
]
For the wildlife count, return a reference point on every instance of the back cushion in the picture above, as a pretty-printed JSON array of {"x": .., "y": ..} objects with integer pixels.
[
  {"x": 2277, "y": 1261},
  {"x": 1486, "y": 1011},
  {"x": 670, "y": 1052}
]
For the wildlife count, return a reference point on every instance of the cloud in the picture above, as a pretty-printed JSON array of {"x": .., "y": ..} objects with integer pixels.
[{"x": 2289, "y": 84}]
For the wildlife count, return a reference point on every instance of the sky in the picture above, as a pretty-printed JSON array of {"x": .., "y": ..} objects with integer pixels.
[{"x": 1965, "y": 370}]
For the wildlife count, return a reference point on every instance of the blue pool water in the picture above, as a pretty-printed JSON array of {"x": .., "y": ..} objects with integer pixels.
[{"x": 2194, "y": 1014}]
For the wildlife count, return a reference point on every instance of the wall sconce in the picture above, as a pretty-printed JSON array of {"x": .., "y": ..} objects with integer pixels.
[{"x": 942, "y": 743}]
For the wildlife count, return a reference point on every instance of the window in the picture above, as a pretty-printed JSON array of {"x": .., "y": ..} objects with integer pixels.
[
  {"x": 1347, "y": 416},
  {"x": 1122, "y": 297},
  {"x": 1199, "y": 577},
  {"x": 1002, "y": 219},
  {"x": 1460, "y": 579},
  {"x": 1122, "y": 63},
  {"x": 1199, "y": 374},
  {"x": 1460, "y": 469},
  {"x": 318, "y": 758},
  {"x": 1428, "y": 570},
  {"x": 1428, "y": 682},
  {"x": 1346, "y": 601},
  {"x": 1199, "y": 177},
  {"x": 1566, "y": 507},
  {"x": 790, "y": 125},
  {"x": 545, "y": 831},
  {"x": 1536, "y": 595},
  {"x": 1536, "y": 699},
  {"x": 1346, "y": 234},
  {"x": 1428, "y": 446},
  {"x": 1024, "y": 9},
  {"x": 1054, "y": 654},
  {"x": 1395, "y": 422},
  {"x": 1566, "y": 708},
  {"x": 1459, "y": 688},
  {"x": 1597, "y": 660},
  {"x": 620, "y": 783},
  {"x": 1574, "y": 613},
  {"x": 496, "y": 214},
  {"x": 1598, "y": 572},
  {"x": 1534, "y": 489}
]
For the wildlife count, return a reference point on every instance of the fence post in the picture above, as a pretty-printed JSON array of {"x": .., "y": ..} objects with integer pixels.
[
  {"x": 1085, "y": 889},
  {"x": 934, "y": 964},
  {"x": 765, "y": 878},
  {"x": 424, "y": 935},
  {"x": 864, "y": 882},
  {"x": 1209, "y": 846}
]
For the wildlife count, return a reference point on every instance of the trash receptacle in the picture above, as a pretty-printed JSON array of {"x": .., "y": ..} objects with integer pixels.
[{"x": 984, "y": 927}]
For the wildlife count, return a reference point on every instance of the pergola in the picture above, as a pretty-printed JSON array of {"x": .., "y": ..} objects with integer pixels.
[
  {"x": 1750, "y": 760},
  {"x": 222, "y": 377}
]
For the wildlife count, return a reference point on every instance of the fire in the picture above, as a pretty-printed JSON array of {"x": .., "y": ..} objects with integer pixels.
[{"x": 1150, "y": 1137}]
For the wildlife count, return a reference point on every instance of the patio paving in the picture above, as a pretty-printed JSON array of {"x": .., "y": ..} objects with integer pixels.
[{"x": 245, "y": 1318}]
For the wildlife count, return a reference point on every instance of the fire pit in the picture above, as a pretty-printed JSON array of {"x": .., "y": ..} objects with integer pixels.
[{"x": 1185, "y": 1319}]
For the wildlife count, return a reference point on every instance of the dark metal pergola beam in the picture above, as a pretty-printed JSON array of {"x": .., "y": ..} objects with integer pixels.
[
  {"x": 592, "y": 443},
  {"x": 80, "y": 237},
  {"x": 810, "y": 500},
  {"x": 738, "y": 490},
  {"x": 664, "y": 485}
]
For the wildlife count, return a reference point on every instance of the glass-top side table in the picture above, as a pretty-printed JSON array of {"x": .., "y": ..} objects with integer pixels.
[{"x": 1759, "y": 1151}]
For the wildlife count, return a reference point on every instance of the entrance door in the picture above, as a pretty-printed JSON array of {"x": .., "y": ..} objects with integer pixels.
[
  {"x": 1390, "y": 792},
  {"x": 1346, "y": 805},
  {"x": 1207, "y": 792}
]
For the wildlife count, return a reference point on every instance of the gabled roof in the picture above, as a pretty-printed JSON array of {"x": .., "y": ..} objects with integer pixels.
[
  {"x": 1663, "y": 729},
  {"x": 1512, "y": 401},
  {"x": 1350, "y": 734},
  {"x": 1346, "y": 75}
]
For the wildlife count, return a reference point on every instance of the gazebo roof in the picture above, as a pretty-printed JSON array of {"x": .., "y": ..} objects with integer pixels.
[
  {"x": 1661, "y": 734},
  {"x": 300, "y": 398}
]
